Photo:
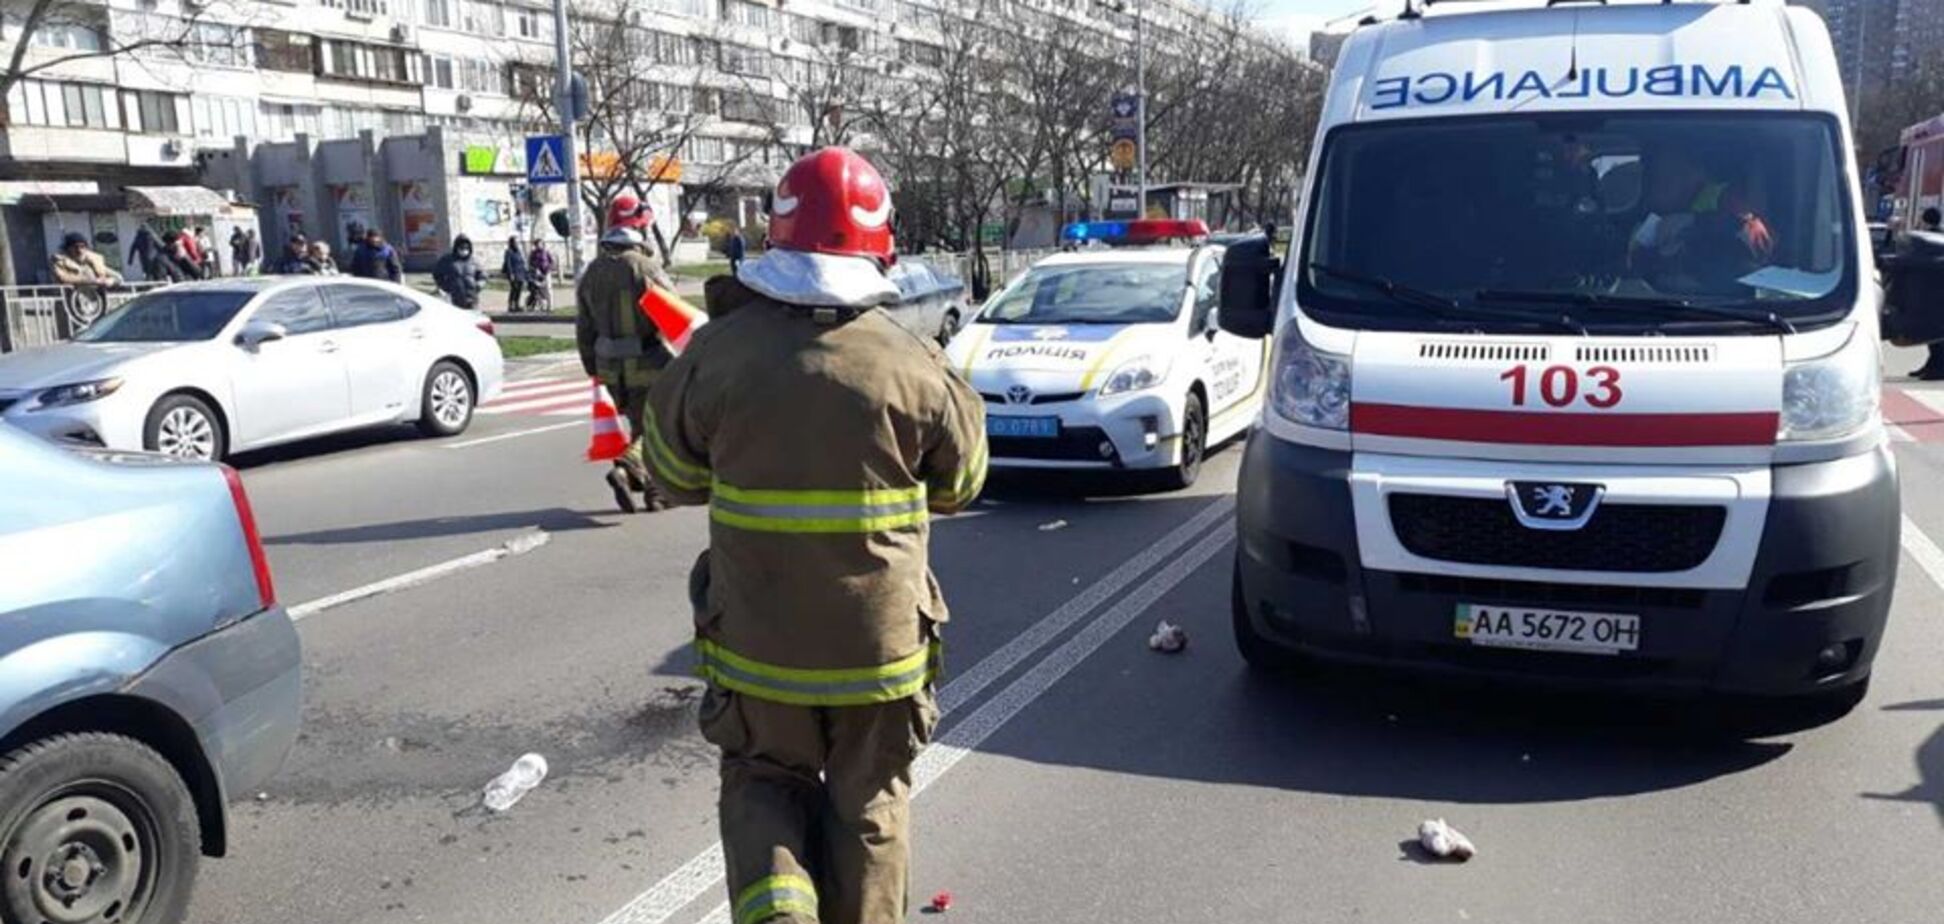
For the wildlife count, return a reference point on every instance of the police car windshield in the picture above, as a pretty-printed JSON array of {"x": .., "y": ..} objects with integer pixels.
[
  {"x": 1092, "y": 293},
  {"x": 168, "y": 315},
  {"x": 1608, "y": 218}
]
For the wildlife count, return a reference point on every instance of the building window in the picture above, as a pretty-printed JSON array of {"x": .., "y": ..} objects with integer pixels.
[
  {"x": 282, "y": 122},
  {"x": 745, "y": 107},
  {"x": 153, "y": 113},
  {"x": 749, "y": 62},
  {"x": 704, "y": 150},
  {"x": 71, "y": 35},
  {"x": 219, "y": 45},
  {"x": 61, "y": 105},
  {"x": 223, "y": 118},
  {"x": 671, "y": 98},
  {"x": 531, "y": 24},
  {"x": 802, "y": 28},
  {"x": 289, "y": 52},
  {"x": 869, "y": 6},
  {"x": 375, "y": 63},
  {"x": 438, "y": 73},
  {"x": 481, "y": 18},
  {"x": 921, "y": 53},
  {"x": 480, "y": 76},
  {"x": 744, "y": 13},
  {"x": 438, "y": 13},
  {"x": 372, "y": 8},
  {"x": 529, "y": 81}
]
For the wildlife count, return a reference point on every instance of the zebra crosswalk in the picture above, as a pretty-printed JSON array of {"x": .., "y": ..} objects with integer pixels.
[{"x": 557, "y": 396}]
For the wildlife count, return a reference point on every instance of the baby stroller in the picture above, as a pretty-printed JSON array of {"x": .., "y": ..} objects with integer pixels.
[{"x": 540, "y": 267}]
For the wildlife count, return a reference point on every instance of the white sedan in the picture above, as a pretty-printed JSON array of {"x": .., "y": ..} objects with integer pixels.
[{"x": 205, "y": 369}]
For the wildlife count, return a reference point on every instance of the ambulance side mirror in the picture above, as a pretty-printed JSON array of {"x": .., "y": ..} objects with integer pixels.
[{"x": 1250, "y": 273}]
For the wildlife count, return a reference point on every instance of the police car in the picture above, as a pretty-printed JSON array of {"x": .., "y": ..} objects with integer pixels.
[
  {"x": 1576, "y": 371},
  {"x": 1109, "y": 357}
]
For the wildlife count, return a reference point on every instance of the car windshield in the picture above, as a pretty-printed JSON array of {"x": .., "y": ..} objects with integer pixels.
[
  {"x": 167, "y": 315},
  {"x": 1092, "y": 293},
  {"x": 1615, "y": 221}
]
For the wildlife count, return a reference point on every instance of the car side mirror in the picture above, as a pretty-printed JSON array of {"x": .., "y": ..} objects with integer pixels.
[
  {"x": 1251, "y": 274},
  {"x": 257, "y": 333}
]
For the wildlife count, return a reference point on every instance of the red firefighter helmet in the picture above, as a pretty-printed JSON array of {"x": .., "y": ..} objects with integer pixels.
[
  {"x": 833, "y": 201},
  {"x": 627, "y": 211}
]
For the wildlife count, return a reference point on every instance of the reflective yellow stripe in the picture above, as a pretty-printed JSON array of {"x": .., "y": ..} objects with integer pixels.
[
  {"x": 980, "y": 334},
  {"x": 817, "y": 511},
  {"x": 1106, "y": 352},
  {"x": 856, "y": 686},
  {"x": 669, "y": 467},
  {"x": 773, "y": 895},
  {"x": 971, "y": 477}
]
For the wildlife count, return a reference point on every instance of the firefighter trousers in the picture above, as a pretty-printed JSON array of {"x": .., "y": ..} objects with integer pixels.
[
  {"x": 815, "y": 807},
  {"x": 630, "y": 393}
]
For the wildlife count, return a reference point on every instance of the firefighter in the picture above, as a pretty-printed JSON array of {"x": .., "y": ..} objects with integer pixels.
[
  {"x": 822, "y": 436},
  {"x": 617, "y": 343}
]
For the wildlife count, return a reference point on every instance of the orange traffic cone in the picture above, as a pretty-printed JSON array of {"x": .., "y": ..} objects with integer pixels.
[
  {"x": 608, "y": 442},
  {"x": 677, "y": 320}
]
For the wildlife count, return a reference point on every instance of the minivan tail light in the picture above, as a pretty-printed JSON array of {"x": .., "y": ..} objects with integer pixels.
[
  {"x": 259, "y": 562},
  {"x": 485, "y": 324}
]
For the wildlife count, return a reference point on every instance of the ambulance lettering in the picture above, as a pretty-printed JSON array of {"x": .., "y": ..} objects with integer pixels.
[
  {"x": 1694, "y": 80},
  {"x": 1598, "y": 387}
]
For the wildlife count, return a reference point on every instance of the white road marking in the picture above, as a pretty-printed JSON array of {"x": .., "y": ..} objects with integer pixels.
[
  {"x": 1923, "y": 551},
  {"x": 463, "y": 444},
  {"x": 540, "y": 382},
  {"x": 551, "y": 387},
  {"x": 518, "y": 545},
  {"x": 681, "y": 887},
  {"x": 961, "y": 739},
  {"x": 1897, "y": 434},
  {"x": 1932, "y": 398}
]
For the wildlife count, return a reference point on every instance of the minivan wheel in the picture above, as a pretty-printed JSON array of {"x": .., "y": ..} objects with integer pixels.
[
  {"x": 448, "y": 400},
  {"x": 183, "y": 426},
  {"x": 95, "y": 828}
]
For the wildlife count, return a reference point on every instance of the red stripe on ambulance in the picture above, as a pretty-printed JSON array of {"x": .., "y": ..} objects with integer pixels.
[{"x": 1563, "y": 428}]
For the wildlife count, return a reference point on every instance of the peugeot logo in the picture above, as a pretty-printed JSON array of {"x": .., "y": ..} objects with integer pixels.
[
  {"x": 1018, "y": 394},
  {"x": 1553, "y": 505}
]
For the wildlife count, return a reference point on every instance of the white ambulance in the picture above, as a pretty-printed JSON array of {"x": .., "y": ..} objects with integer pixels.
[
  {"x": 1108, "y": 358},
  {"x": 1575, "y": 368}
]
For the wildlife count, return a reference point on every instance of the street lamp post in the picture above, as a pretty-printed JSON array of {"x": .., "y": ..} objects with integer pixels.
[
  {"x": 1140, "y": 105},
  {"x": 564, "y": 98}
]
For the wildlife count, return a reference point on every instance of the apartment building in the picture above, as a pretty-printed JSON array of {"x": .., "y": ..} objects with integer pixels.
[{"x": 284, "y": 102}]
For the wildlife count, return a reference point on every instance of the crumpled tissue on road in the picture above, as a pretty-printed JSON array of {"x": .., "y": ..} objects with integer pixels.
[
  {"x": 1444, "y": 841},
  {"x": 1168, "y": 638}
]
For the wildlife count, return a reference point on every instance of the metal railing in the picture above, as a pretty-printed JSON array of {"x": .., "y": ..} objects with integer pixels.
[{"x": 36, "y": 316}]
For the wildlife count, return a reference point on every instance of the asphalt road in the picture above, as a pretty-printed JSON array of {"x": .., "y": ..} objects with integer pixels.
[{"x": 1078, "y": 777}]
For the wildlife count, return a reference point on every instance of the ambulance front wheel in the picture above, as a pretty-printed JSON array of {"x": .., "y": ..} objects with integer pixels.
[{"x": 1194, "y": 443}]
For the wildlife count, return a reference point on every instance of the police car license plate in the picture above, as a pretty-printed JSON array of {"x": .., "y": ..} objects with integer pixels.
[
  {"x": 1546, "y": 630},
  {"x": 1041, "y": 427}
]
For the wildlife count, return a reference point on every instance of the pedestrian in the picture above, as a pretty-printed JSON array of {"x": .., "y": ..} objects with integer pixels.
[
  {"x": 821, "y": 434},
  {"x": 293, "y": 262},
  {"x": 77, "y": 264},
  {"x": 458, "y": 275},
  {"x": 253, "y": 247},
  {"x": 317, "y": 255},
  {"x": 354, "y": 234},
  {"x": 239, "y": 247},
  {"x": 145, "y": 251},
  {"x": 206, "y": 254},
  {"x": 734, "y": 248},
  {"x": 188, "y": 250},
  {"x": 514, "y": 267},
  {"x": 540, "y": 282},
  {"x": 179, "y": 259},
  {"x": 1932, "y": 221},
  {"x": 375, "y": 259},
  {"x": 617, "y": 344}
]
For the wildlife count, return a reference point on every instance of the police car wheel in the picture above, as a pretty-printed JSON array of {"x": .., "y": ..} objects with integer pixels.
[
  {"x": 1194, "y": 443},
  {"x": 183, "y": 426},
  {"x": 447, "y": 405}
]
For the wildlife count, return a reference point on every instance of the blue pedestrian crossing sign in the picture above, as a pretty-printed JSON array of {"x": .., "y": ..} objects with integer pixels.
[{"x": 546, "y": 159}]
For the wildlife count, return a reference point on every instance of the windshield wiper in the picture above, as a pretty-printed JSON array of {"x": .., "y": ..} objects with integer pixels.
[
  {"x": 1445, "y": 306},
  {"x": 1661, "y": 306}
]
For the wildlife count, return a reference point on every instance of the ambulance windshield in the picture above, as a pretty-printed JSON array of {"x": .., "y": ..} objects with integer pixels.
[
  {"x": 1092, "y": 293},
  {"x": 1650, "y": 221}
]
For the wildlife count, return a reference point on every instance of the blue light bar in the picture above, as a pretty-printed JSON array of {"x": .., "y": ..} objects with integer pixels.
[{"x": 1095, "y": 231}]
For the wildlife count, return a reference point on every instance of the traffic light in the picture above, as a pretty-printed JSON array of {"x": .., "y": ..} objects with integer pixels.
[{"x": 558, "y": 218}]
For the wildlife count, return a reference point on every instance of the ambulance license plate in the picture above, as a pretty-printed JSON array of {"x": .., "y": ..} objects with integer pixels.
[
  {"x": 1546, "y": 630},
  {"x": 1039, "y": 427}
]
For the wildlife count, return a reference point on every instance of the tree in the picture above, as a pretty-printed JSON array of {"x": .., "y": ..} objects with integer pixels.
[{"x": 44, "y": 37}]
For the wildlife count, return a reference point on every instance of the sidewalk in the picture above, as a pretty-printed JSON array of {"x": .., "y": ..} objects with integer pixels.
[{"x": 493, "y": 300}]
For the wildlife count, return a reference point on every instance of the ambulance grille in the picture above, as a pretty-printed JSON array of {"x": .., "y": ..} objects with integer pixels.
[
  {"x": 1640, "y": 538},
  {"x": 1666, "y": 355},
  {"x": 1483, "y": 352}
]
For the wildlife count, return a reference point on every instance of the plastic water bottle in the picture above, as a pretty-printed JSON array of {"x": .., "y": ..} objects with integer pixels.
[{"x": 517, "y": 781}]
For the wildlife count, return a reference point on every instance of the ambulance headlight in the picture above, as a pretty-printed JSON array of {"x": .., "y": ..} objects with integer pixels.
[
  {"x": 1831, "y": 396},
  {"x": 1310, "y": 387},
  {"x": 1134, "y": 375}
]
